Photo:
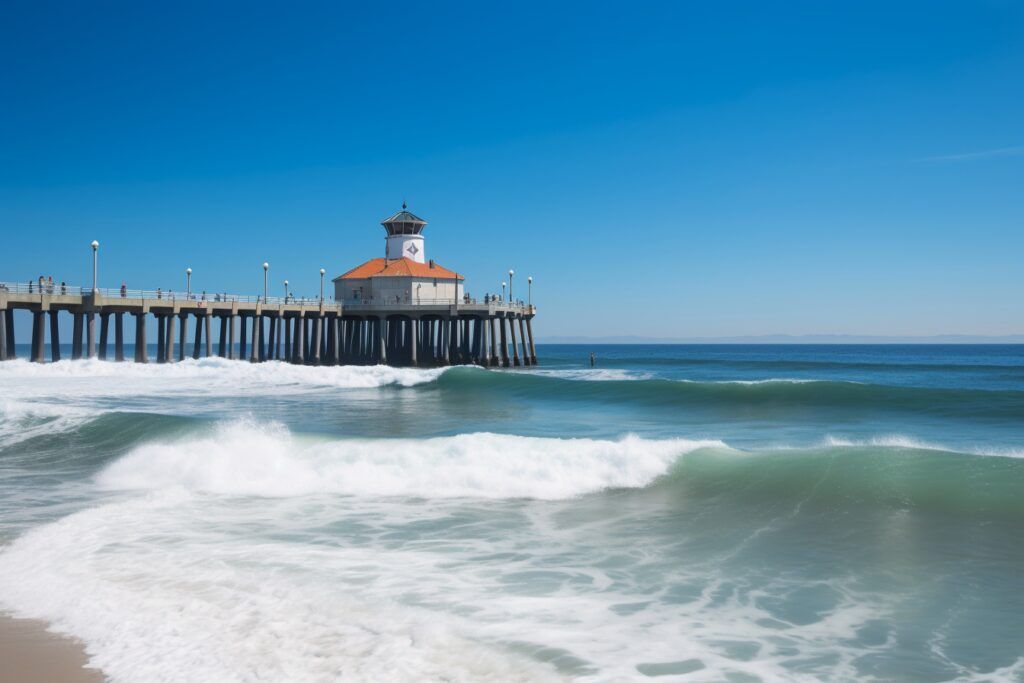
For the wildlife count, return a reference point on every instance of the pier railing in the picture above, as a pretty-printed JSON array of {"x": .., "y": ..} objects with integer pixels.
[{"x": 58, "y": 289}]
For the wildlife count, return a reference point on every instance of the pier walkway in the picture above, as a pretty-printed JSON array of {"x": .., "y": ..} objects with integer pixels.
[{"x": 305, "y": 331}]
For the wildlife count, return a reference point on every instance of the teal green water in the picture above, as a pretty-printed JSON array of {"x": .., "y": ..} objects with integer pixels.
[{"x": 676, "y": 512}]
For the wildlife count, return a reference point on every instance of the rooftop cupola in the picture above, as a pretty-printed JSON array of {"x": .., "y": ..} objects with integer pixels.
[{"x": 405, "y": 236}]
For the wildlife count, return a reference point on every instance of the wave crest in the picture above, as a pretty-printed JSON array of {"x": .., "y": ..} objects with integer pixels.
[{"x": 242, "y": 458}]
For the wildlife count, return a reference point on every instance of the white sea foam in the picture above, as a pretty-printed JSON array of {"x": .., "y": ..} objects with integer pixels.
[
  {"x": 913, "y": 443},
  {"x": 243, "y": 458},
  {"x": 180, "y": 585},
  {"x": 210, "y": 375},
  {"x": 158, "y": 595},
  {"x": 21, "y": 420},
  {"x": 588, "y": 374}
]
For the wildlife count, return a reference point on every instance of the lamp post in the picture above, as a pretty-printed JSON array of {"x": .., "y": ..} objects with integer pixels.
[
  {"x": 188, "y": 284},
  {"x": 503, "y": 291},
  {"x": 286, "y": 291},
  {"x": 266, "y": 268},
  {"x": 322, "y": 271},
  {"x": 95, "y": 250},
  {"x": 510, "y": 274},
  {"x": 529, "y": 290}
]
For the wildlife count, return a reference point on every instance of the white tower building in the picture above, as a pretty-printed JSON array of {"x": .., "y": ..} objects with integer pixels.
[{"x": 405, "y": 236}]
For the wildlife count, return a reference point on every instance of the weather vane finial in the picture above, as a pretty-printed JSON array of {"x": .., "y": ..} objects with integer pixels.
[{"x": 403, "y": 205}]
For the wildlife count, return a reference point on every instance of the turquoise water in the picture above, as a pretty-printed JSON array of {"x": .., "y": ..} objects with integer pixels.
[{"x": 676, "y": 512}]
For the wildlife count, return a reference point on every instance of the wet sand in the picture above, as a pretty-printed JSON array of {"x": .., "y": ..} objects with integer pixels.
[{"x": 31, "y": 654}]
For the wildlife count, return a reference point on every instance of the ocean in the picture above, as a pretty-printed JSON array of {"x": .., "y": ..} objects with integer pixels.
[{"x": 705, "y": 513}]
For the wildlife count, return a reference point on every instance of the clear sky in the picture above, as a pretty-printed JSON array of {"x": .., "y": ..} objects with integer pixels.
[{"x": 662, "y": 169}]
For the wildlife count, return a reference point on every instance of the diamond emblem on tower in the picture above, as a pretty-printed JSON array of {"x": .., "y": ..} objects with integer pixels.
[{"x": 413, "y": 249}]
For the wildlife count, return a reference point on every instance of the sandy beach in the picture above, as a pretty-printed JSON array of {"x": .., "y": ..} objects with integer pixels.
[{"x": 31, "y": 654}]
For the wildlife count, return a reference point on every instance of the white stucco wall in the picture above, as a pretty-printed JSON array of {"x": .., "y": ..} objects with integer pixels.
[
  {"x": 407, "y": 246},
  {"x": 406, "y": 289}
]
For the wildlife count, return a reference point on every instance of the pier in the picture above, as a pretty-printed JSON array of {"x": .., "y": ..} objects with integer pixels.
[{"x": 308, "y": 332}]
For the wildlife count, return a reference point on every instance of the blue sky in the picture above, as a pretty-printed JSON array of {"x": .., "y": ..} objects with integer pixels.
[{"x": 662, "y": 169}]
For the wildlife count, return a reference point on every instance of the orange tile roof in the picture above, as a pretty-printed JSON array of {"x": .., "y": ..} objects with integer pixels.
[{"x": 402, "y": 267}]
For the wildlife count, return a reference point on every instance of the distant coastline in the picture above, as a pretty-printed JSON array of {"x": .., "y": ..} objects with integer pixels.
[{"x": 792, "y": 339}]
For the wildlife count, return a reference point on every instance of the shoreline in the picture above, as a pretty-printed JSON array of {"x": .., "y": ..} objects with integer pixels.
[{"x": 31, "y": 654}]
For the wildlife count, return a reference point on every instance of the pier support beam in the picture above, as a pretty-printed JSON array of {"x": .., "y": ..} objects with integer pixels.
[
  {"x": 413, "y": 341},
  {"x": 318, "y": 330},
  {"x": 38, "y": 335},
  {"x": 208, "y": 324},
  {"x": 54, "y": 336},
  {"x": 299, "y": 341},
  {"x": 104, "y": 334},
  {"x": 119, "y": 337},
  {"x": 287, "y": 339},
  {"x": 512, "y": 336},
  {"x": 141, "y": 348},
  {"x": 182, "y": 335},
  {"x": 222, "y": 338},
  {"x": 272, "y": 338},
  {"x": 331, "y": 357},
  {"x": 533, "y": 349},
  {"x": 242, "y": 321},
  {"x": 494, "y": 342},
  {"x": 3, "y": 335},
  {"x": 229, "y": 320},
  {"x": 12, "y": 353},
  {"x": 485, "y": 347},
  {"x": 257, "y": 339},
  {"x": 76, "y": 335},
  {"x": 504, "y": 343},
  {"x": 197, "y": 342},
  {"x": 90, "y": 335},
  {"x": 522, "y": 341},
  {"x": 169, "y": 343},
  {"x": 382, "y": 349},
  {"x": 161, "y": 338}
]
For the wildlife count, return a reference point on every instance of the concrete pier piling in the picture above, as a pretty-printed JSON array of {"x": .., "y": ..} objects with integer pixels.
[
  {"x": 38, "y": 334},
  {"x": 182, "y": 335},
  {"x": 169, "y": 343},
  {"x": 104, "y": 331},
  {"x": 161, "y": 338},
  {"x": 207, "y": 322},
  {"x": 90, "y": 335},
  {"x": 3, "y": 336},
  {"x": 76, "y": 335},
  {"x": 119, "y": 336},
  {"x": 222, "y": 339},
  {"x": 8, "y": 316},
  {"x": 197, "y": 341},
  {"x": 141, "y": 348},
  {"x": 54, "y": 336}
]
